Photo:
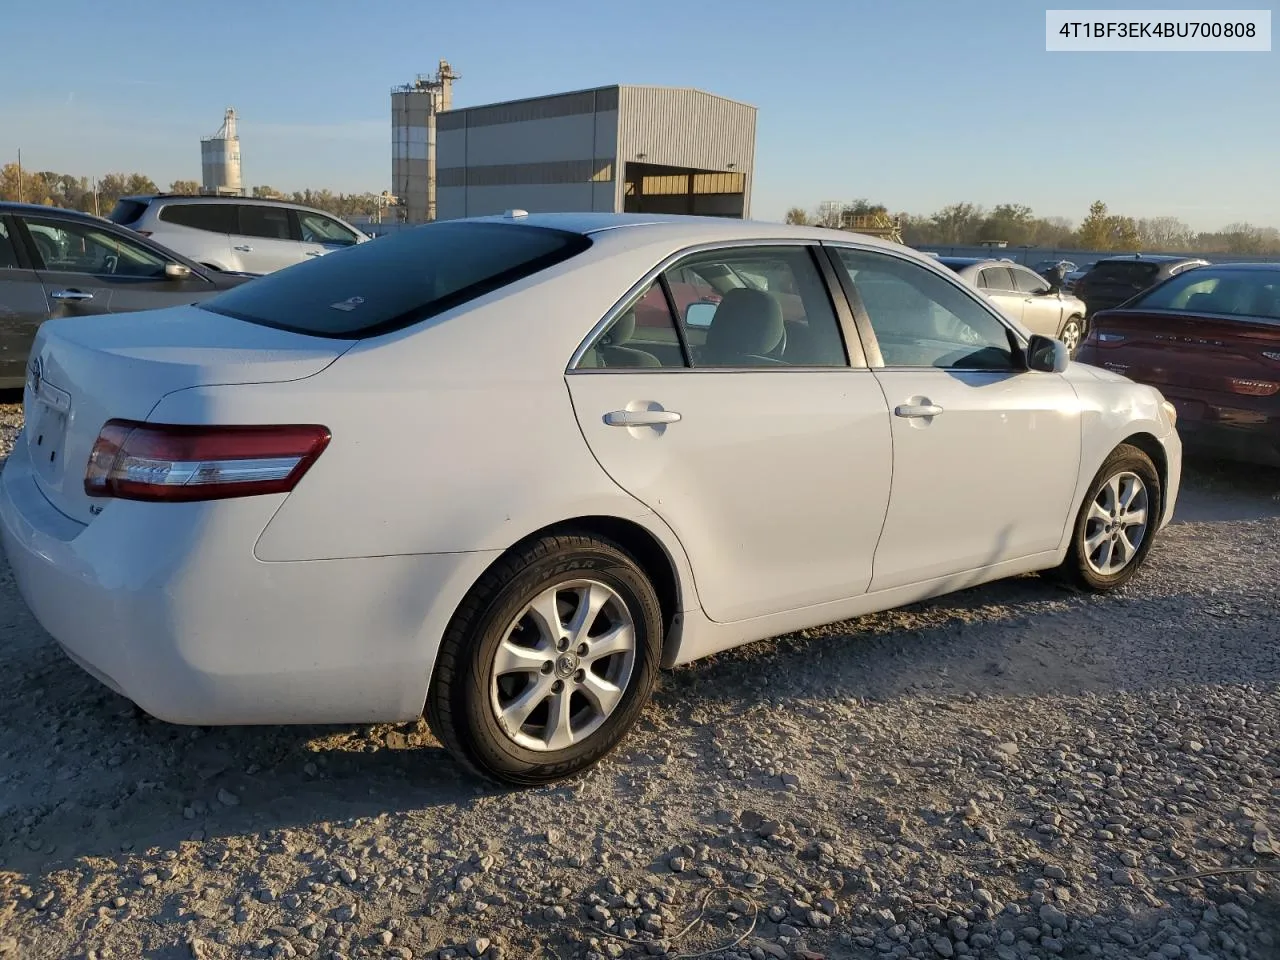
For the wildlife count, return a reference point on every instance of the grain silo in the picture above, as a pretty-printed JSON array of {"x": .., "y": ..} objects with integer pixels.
[{"x": 220, "y": 159}]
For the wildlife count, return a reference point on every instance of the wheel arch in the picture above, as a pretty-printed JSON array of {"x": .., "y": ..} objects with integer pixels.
[
  {"x": 655, "y": 557},
  {"x": 1153, "y": 448}
]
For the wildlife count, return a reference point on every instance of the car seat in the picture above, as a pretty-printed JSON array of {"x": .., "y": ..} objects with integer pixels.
[{"x": 746, "y": 328}]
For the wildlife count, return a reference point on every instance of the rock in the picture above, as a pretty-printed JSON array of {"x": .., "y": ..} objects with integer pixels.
[
  {"x": 678, "y": 864},
  {"x": 1123, "y": 878},
  {"x": 1008, "y": 748},
  {"x": 1053, "y": 916},
  {"x": 787, "y": 930},
  {"x": 943, "y": 947},
  {"x": 1055, "y": 872},
  {"x": 478, "y": 945},
  {"x": 227, "y": 798}
]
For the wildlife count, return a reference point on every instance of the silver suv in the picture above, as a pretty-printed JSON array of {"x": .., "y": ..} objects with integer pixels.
[{"x": 236, "y": 233}]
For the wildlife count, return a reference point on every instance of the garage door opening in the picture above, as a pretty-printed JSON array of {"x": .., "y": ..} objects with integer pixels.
[{"x": 655, "y": 188}]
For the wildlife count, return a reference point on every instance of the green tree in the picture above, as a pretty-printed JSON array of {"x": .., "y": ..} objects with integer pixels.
[
  {"x": 185, "y": 187},
  {"x": 958, "y": 223},
  {"x": 1095, "y": 229},
  {"x": 1008, "y": 221},
  {"x": 797, "y": 215}
]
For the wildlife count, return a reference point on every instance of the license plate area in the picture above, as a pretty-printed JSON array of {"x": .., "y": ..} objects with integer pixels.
[{"x": 48, "y": 431}]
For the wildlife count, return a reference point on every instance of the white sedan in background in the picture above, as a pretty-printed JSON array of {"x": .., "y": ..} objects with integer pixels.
[
  {"x": 503, "y": 470},
  {"x": 1027, "y": 297}
]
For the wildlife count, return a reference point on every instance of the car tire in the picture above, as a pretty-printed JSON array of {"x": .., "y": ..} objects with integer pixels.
[
  {"x": 484, "y": 677},
  {"x": 1072, "y": 334},
  {"x": 1127, "y": 475}
]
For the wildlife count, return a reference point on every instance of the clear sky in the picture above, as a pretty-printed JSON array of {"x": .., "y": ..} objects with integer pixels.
[{"x": 912, "y": 103}]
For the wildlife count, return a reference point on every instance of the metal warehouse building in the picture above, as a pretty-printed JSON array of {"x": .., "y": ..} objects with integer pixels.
[{"x": 617, "y": 148}]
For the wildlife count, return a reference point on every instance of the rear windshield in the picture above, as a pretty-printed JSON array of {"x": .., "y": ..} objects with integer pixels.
[
  {"x": 1124, "y": 271},
  {"x": 391, "y": 282},
  {"x": 1238, "y": 293},
  {"x": 127, "y": 211}
]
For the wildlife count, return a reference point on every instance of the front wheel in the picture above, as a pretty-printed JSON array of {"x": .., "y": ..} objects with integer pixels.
[
  {"x": 548, "y": 662},
  {"x": 1116, "y": 524},
  {"x": 1072, "y": 335}
]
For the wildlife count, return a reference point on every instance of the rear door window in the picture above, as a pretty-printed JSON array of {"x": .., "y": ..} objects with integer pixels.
[
  {"x": 374, "y": 288},
  {"x": 211, "y": 217},
  {"x": 996, "y": 278},
  {"x": 268, "y": 223}
]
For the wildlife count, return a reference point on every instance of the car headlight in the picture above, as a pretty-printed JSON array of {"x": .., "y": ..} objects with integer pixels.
[{"x": 1170, "y": 411}]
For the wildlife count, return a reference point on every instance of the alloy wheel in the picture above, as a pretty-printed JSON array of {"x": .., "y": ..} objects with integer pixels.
[
  {"x": 1117, "y": 524},
  {"x": 563, "y": 665}
]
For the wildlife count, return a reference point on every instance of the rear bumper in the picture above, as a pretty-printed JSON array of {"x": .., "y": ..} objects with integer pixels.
[{"x": 166, "y": 604}]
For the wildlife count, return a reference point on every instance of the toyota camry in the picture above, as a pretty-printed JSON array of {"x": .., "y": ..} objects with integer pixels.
[{"x": 449, "y": 472}]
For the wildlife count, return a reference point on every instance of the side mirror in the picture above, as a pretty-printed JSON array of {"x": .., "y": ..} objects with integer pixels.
[
  {"x": 1047, "y": 355},
  {"x": 176, "y": 271},
  {"x": 699, "y": 314}
]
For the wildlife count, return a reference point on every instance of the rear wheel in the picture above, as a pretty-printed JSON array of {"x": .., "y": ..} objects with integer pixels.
[
  {"x": 1116, "y": 524},
  {"x": 548, "y": 662},
  {"x": 1072, "y": 334}
]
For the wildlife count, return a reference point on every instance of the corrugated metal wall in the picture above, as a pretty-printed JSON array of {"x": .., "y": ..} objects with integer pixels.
[
  {"x": 489, "y": 157},
  {"x": 679, "y": 127}
]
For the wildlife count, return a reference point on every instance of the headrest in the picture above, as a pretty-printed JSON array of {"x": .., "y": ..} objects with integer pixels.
[{"x": 746, "y": 322}]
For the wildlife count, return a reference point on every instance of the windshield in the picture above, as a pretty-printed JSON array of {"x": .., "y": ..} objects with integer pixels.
[
  {"x": 1242, "y": 293},
  {"x": 374, "y": 288}
]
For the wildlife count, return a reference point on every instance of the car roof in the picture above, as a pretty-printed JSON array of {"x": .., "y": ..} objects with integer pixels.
[
  {"x": 1244, "y": 265},
  {"x": 955, "y": 262},
  {"x": 13, "y": 206},
  {"x": 1148, "y": 258},
  {"x": 644, "y": 227}
]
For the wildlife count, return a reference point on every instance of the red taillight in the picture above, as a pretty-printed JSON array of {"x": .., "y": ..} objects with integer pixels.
[{"x": 152, "y": 461}]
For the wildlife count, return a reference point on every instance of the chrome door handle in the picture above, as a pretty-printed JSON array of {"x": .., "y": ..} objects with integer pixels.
[
  {"x": 639, "y": 418},
  {"x": 71, "y": 296},
  {"x": 244, "y": 248},
  {"x": 917, "y": 410}
]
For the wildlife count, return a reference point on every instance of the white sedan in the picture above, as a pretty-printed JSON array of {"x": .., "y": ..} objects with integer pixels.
[{"x": 503, "y": 470}]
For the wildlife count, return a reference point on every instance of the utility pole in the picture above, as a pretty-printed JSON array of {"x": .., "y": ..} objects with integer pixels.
[
  {"x": 19, "y": 174},
  {"x": 96, "y": 213}
]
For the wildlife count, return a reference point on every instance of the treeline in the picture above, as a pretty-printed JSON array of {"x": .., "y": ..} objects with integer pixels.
[
  {"x": 99, "y": 196},
  {"x": 965, "y": 224}
]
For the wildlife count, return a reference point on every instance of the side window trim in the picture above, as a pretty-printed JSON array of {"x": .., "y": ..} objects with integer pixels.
[
  {"x": 677, "y": 321},
  {"x": 23, "y": 247},
  {"x": 875, "y": 359},
  {"x": 658, "y": 273}
]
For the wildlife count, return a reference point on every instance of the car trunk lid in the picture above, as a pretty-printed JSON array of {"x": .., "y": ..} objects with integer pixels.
[
  {"x": 85, "y": 371},
  {"x": 1177, "y": 352}
]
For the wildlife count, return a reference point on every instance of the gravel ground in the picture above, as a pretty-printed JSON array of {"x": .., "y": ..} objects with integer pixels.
[{"x": 1011, "y": 772}]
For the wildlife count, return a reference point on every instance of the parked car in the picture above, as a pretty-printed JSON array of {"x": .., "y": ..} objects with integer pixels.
[
  {"x": 62, "y": 263},
  {"x": 1072, "y": 278},
  {"x": 1042, "y": 267},
  {"x": 1209, "y": 339},
  {"x": 1026, "y": 297},
  {"x": 1114, "y": 280},
  {"x": 252, "y": 235},
  {"x": 518, "y": 524}
]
